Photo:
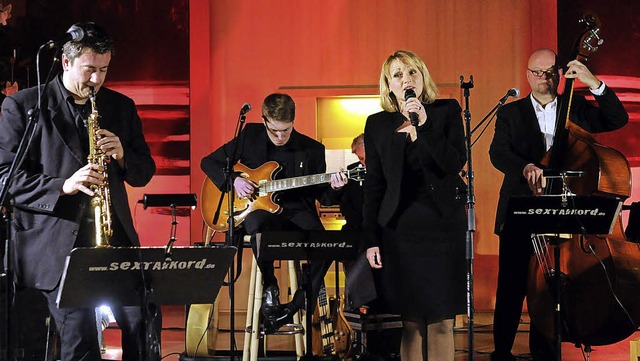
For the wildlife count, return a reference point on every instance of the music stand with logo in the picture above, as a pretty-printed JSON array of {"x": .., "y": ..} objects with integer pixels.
[
  {"x": 308, "y": 245},
  {"x": 561, "y": 214},
  {"x": 143, "y": 276}
]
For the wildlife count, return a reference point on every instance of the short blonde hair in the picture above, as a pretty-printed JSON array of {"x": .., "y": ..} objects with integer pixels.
[{"x": 388, "y": 101}]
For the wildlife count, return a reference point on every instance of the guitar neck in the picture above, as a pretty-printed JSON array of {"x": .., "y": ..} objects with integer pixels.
[
  {"x": 304, "y": 181},
  {"x": 322, "y": 297},
  {"x": 326, "y": 323},
  {"x": 295, "y": 182}
]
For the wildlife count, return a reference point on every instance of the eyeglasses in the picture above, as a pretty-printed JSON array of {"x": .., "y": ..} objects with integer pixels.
[
  {"x": 546, "y": 73},
  {"x": 273, "y": 130}
]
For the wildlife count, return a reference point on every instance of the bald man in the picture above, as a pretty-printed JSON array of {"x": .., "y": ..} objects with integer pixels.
[{"x": 524, "y": 132}]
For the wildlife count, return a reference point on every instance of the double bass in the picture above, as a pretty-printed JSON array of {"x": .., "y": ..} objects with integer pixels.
[{"x": 599, "y": 274}]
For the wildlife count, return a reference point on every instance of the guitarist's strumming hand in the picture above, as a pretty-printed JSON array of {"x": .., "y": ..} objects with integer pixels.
[
  {"x": 245, "y": 188},
  {"x": 374, "y": 257},
  {"x": 338, "y": 180}
]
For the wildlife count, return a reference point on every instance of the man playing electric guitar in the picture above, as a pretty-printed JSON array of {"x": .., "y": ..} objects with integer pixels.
[{"x": 297, "y": 155}]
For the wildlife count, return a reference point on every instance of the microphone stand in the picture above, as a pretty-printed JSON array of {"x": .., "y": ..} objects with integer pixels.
[
  {"x": 491, "y": 112},
  {"x": 5, "y": 182},
  {"x": 471, "y": 215},
  {"x": 471, "y": 201},
  {"x": 230, "y": 236}
]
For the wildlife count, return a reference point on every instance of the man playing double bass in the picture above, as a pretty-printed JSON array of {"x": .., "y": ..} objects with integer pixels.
[{"x": 524, "y": 132}]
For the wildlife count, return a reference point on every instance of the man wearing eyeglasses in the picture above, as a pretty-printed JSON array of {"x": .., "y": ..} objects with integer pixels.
[
  {"x": 275, "y": 139},
  {"x": 524, "y": 132}
]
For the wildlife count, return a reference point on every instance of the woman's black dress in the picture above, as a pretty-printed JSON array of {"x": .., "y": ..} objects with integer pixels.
[{"x": 423, "y": 252}]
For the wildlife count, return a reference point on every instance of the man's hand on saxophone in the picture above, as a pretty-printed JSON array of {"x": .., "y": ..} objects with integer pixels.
[
  {"x": 110, "y": 144},
  {"x": 82, "y": 179}
]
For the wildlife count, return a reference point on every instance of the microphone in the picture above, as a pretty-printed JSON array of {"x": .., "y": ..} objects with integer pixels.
[
  {"x": 74, "y": 33},
  {"x": 513, "y": 92},
  {"x": 409, "y": 93},
  {"x": 246, "y": 108}
]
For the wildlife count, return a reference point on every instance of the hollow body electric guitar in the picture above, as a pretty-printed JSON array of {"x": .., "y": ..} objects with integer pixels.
[{"x": 214, "y": 202}]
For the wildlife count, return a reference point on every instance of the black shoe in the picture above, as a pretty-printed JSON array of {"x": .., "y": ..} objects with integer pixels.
[
  {"x": 297, "y": 303},
  {"x": 271, "y": 302},
  {"x": 501, "y": 357},
  {"x": 285, "y": 313},
  {"x": 284, "y": 317}
]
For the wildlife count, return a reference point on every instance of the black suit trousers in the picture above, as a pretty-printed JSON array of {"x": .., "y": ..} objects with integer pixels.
[
  {"x": 515, "y": 250},
  {"x": 78, "y": 331}
]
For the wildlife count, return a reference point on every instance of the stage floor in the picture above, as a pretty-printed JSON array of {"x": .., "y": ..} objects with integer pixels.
[{"x": 173, "y": 335}]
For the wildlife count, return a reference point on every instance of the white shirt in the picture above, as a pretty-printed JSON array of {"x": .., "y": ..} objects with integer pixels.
[
  {"x": 546, "y": 119},
  {"x": 547, "y": 115}
]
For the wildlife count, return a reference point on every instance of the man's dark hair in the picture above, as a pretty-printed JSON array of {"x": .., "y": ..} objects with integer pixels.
[
  {"x": 279, "y": 107},
  {"x": 95, "y": 38}
]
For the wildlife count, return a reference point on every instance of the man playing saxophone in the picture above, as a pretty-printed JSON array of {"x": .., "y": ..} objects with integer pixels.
[{"x": 53, "y": 187}]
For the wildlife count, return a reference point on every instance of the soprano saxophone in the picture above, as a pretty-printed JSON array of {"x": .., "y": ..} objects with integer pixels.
[{"x": 101, "y": 200}]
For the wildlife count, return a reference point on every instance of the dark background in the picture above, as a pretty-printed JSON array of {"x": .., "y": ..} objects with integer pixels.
[
  {"x": 617, "y": 60},
  {"x": 143, "y": 31}
]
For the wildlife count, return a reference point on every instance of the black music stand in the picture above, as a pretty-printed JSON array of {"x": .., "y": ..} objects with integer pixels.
[
  {"x": 562, "y": 214},
  {"x": 558, "y": 214},
  {"x": 308, "y": 245},
  {"x": 95, "y": 276},
  {"x": 137, "y": 276}
]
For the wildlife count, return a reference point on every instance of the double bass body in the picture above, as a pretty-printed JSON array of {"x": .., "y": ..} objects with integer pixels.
[{"x": 598, "y": 307}]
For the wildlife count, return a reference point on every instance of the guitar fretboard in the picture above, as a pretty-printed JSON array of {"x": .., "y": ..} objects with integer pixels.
[
  {"x": 322, "y": 297},
  {"x": 296, "y": 182}
]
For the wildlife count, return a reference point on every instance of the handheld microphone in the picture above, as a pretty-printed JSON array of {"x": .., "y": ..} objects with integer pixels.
[
  {"x": 409, "y": 93},
  {"x": 513, "y": 92},
  {"x": 74, "y": 33},
  {"x": 246, "y": 108}
]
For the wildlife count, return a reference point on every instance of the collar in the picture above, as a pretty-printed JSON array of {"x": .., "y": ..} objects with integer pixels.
[
  {"x": 66, "y": 94},
  {"x": 539, "y": 108}
]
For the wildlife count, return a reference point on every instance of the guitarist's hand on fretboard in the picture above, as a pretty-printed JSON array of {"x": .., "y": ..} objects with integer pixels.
[
  {"x": 338, "y": 180},
  {"x": 245, "y": 188}
]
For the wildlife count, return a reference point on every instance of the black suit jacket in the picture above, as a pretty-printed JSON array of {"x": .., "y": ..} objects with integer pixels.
[
  {"x": 252, "y": 152},
  {"x": 351, "y": 201},
  {"x": 441, "y": 145},
  {"x": 518, "y": 140},
  {"x": 46, "y": 223}
]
